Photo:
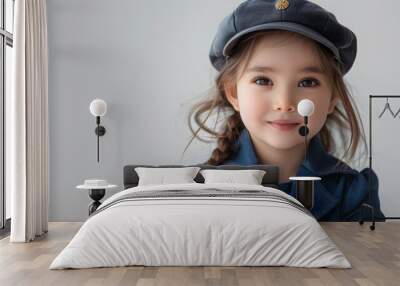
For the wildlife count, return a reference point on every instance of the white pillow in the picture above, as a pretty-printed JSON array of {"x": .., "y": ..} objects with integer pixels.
[
  {"x": 249, "y": 176},
  {"x": 160, "y": 176}
]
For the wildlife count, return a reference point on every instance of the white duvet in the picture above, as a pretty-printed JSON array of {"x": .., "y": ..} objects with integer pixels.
[{"x": 200, "y": 231}]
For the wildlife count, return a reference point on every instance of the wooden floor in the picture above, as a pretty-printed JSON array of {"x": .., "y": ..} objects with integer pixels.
[{"x": 374, "y": 255}]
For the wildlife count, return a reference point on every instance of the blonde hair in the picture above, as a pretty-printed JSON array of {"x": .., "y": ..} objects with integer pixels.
[{"x": 345, "y": 114}]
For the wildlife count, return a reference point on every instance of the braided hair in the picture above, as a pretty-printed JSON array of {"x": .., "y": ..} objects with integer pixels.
[{"x": 225, "y": 144}]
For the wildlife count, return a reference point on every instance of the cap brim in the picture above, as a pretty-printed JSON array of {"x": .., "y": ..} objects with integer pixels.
[{"x": 287, "y": 26}]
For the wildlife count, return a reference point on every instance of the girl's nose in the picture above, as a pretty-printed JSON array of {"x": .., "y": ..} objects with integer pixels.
[
  {"x": 288, "y": 108},
  {"x": 284, "y": 104}
]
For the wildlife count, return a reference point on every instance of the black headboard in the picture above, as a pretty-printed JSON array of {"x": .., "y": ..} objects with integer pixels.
[{"x": 270, "y": 179}]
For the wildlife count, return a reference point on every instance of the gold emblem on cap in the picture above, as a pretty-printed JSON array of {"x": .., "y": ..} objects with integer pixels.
[{"x": 282, "y": 4}]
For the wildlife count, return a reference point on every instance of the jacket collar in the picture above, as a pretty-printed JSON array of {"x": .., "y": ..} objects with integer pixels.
[{"x": 319, "y": 162}]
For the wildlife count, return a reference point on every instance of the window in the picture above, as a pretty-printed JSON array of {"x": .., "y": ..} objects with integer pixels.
[{"x": 6, "y": 60}]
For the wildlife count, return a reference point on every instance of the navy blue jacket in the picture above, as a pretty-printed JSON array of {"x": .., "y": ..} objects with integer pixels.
[{"x": 341, "y": 190}]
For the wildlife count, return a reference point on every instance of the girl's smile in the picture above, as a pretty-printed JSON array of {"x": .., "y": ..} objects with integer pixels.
[{"x": 284, "y": 125}]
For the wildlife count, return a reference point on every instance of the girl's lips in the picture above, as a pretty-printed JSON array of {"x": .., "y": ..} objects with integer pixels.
[{"x": 283, "y": 126}]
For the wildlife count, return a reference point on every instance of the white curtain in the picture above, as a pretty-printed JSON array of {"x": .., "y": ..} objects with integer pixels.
[{"x": 27, "y": 123}]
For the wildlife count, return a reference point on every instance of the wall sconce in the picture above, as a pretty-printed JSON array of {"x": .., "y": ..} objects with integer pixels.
[
  {"x": 305, "y": 108},
  {"x": 98, "y": 107}
]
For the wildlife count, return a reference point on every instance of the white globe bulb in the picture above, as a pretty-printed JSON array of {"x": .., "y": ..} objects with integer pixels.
[
  {"x": 305, "y": 107},
  {"x": 98, "y": 107}
]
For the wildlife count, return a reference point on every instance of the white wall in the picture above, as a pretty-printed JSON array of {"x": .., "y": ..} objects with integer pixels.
[{"x": 149, "y": 61}]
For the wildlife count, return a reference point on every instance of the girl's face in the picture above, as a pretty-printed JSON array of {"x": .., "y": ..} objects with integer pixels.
[{"x": 278, "y": 76}]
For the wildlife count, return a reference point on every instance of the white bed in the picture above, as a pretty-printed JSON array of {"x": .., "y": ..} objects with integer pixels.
[{"x": 207, "y": 230}]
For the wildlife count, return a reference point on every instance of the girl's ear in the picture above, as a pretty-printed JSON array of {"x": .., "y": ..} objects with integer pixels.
[
  {"x": 231, "y": 95},
  {"x": 332, "y": 104}
]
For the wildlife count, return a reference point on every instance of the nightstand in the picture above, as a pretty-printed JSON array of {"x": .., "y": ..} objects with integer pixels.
[
  {"x": 305, "y": 190},
  {"x": 97, "y": 190}
]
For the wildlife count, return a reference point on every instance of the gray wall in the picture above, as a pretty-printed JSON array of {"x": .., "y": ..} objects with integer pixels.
[{"x": 149, "y": 61}]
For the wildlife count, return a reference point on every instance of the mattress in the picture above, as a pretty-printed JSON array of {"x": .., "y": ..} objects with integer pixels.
[{"x": 198, "y": 224}]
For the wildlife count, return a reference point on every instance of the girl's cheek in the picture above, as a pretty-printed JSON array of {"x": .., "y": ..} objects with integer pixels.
[
  {"x": 317, "y": 121},
  {"x": 253, "y": 108}
]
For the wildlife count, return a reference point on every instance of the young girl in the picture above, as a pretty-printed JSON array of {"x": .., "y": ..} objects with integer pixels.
[{"x": 270, "y": 55}]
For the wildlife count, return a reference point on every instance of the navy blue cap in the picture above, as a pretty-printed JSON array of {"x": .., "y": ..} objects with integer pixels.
[{"x": 301, "y": 16}]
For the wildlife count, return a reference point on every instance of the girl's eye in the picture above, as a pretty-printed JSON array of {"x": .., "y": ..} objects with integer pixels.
[
  {"x": 261, "y": 80},
  {"x": 309, "y": 82}
]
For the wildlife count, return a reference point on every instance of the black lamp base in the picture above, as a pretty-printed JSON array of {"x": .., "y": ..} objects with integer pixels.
[
  {"x": 100, "y": 130},
  {"x": 303, "y": 130},
  {"x": 305, "y": 193},
  {"x": 96, "y": 195}
]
